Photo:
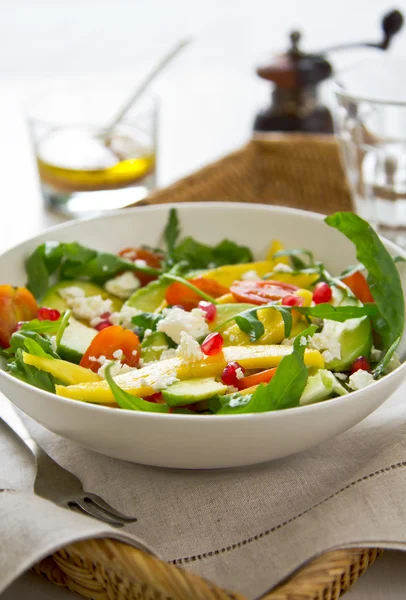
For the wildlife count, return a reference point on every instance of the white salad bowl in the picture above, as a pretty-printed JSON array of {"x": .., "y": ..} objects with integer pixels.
[{"x": 189, "y": 441}]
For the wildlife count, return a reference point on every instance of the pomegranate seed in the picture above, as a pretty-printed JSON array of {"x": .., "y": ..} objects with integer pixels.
[
  {"x": 48, "y": 314},
  {"x": 360, "y": 363},
  {"x": 322, "y": 293},
  {"x": 229, "y": 375},
  {"x": 292, "y": 300},
  {"x": 105, "y": 315},
  {"x": 156, "y": 398},
  {"x": 213, "y": 344},
  {"x": 103, "y": 325},
  {"x": 209, "y": 309}
]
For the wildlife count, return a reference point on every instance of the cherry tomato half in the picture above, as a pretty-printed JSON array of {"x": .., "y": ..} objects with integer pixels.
[
  {"x": 153, "y": 259},
  {"x": 261, "y": 292},
  {"x": 16, "y": 304},
  {"x": 107, "y": 342},
  {"x": 180, "y": 295}
]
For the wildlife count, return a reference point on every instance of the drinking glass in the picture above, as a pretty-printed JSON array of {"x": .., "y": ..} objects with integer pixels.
[
  {"x": 370, "y": 122},
  {"x": 84, "y": 168}
]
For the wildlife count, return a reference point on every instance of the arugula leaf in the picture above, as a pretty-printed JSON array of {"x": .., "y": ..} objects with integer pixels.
[
  {"x": 38, "y": 326},
  {"x": 338, "y": 313},
  {"x": 294, "y": 254},
  {"x": 383, "y": 277},
  {"x": 63, "y": 325},
  {"x": 146, "y": 321},
  {"x": 30, "y": 374},
  {"x": 60, "y": 260},
  {"x": 285, "y": 388},
  {"x": 384, "y": 362},
  {"x": 200, "y": 256},
  {"x": 129, "y": 402},
  {"x": 171, "y": 232},
  {"x": 249, "y": 323},
  {"x": 19, "y": 338},
  {"x": 33, "y": 347}
]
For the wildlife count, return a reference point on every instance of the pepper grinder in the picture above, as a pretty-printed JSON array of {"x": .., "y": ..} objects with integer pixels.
[{"x": 296, "y": 76}]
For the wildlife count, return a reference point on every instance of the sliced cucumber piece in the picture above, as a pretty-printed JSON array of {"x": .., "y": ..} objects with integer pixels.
[
  {"x": 75, "y": 341},
  {"x": 191, "y": 391},
  {"x": 320, "y": 387},
  {"x": 148, "y": 298}
]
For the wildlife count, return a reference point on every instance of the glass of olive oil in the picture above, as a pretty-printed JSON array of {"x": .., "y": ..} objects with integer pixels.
[{"x": 84, "y": 168}]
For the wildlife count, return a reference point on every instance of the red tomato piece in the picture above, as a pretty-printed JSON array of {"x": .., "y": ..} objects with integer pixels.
[
  {"x": 359, "y": 286},
  {"x": 180, "y": 295},
  {"x": 152, "y": 259},
  {"x": 107, "y": 342},
  {"x": 16, "y": 304},
  {"x": 261, "y": 292}
]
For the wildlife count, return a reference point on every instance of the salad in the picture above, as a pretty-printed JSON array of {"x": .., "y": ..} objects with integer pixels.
[{"x": 197, "y": 329}]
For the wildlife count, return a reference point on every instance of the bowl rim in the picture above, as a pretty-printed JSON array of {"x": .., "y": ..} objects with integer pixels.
[{"x": 88, "y": 406}]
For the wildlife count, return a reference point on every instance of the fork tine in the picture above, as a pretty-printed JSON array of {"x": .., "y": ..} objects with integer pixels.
[
  {"x": 94, "y": 512},
  {"x": 102, "y": 504}
]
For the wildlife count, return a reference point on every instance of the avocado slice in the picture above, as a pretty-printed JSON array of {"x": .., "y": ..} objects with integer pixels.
[
  {"x": 153, "y": 346},
  {"x": 355, "y": 337},
  {"x": 148, "y": 298},
  {"x": 226, "y": 311},
  {"x": 191, "y": 391},
  {"x": 52, "y": 299},
  {"x": 75, "y": 341}
]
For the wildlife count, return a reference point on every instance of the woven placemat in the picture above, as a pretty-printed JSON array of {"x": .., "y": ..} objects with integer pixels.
[{"x": 293, "y": 170}]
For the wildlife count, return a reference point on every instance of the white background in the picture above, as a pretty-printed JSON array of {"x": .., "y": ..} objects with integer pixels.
[{"x": 208, "y": 101}]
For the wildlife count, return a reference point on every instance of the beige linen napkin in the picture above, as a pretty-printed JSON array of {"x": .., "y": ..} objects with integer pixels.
[{"x": 245, "y": 529}]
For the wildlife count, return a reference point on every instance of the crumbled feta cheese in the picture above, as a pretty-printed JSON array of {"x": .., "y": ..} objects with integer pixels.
[
  {"x": 239, "y": 373},
  {"x": 376, "y": 354},
  {"x": 95, "y": 321},
  {"x": 341, "y": 376},
  {"x": 117, "y": 368},
  {"x": 71, "y": 292},
  {"x": 231, "y": 389},
  {"x": 287, "y": 342},
  {"x": 134, "y": 352},
  {"x": 102, "y": 359},
  {"x": 118, "y": 353},
  {"x": 170, "y": 353},
  {"x": 147, "y": 333},
  {"x": 189, "y": 349},
  {"x": 123, "y": 285},
  {"x": 140, "y": 262},
  {"x": 303, "y": 341},
  {"x": 124, "y": 316},
  {"x": 164, "y": 382},
  {"x": 177, "y": 320},
  {"x": 282, "y": 268},
  {"x": 394, "y": 363},
  {"x": 88, "y": 307},
  {"x": 105, "y": 268},
  {"x": 53, "y": 343},
  {"x": 93, "y": 359},
  {"x": 250, "y": 276},
  {"x": 326, "y": 342},
  {"x": 360, "y": 379}
]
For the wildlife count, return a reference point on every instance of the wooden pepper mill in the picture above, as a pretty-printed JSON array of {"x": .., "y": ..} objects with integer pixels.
[{"x": 296, "y": 75}]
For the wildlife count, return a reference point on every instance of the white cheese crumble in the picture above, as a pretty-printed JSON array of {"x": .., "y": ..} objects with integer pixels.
[
  {"x": 147, "y": 333},
  {"x": 170, "y": 353},
  {"x": 394, "y": 363},
  {"x": 189, "y": 349},
  {"x": 303, "y": 341},
  {"x": 164, "y": 382},
  {"x": 232, "y": 389},
  {"x": 360, "y": 379},
  {"x": 288, "y": 342},
  {"x": 140, "y": 262},
  {"x": 118, "y": 353},
  {"x": 89, "y": 307},
  {"x": 177, "y": 320},
  {"x": 239, "y": 373},
  {"x": 326, "y": 342},
  {"x": 250, "y": 276},
  {"x": 124, "y": 316},
  {"x": 71, "y": 292},
  {"x": 282, "y": 268},
  {"x": 341, "y": 376},
  {"x": 376, "y": 354},
  {"x": 122, "y": 285},
  {"x": 117, "y": 368}
]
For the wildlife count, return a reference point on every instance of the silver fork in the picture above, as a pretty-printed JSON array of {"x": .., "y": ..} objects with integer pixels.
[{"x": 55, "y": 483}]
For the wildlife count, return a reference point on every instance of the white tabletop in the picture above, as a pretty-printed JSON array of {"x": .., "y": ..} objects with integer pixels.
[{"x": 208, "y": 102}]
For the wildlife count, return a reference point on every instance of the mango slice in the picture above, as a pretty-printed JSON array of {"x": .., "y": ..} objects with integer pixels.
[
  {"x": 63, "y": 370},
  {"x": 229, "y": 273},
  {"x": 140, "y": 382}
]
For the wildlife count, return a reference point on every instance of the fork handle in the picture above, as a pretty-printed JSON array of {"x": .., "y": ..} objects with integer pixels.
[{"x": 10, "y": 417}]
